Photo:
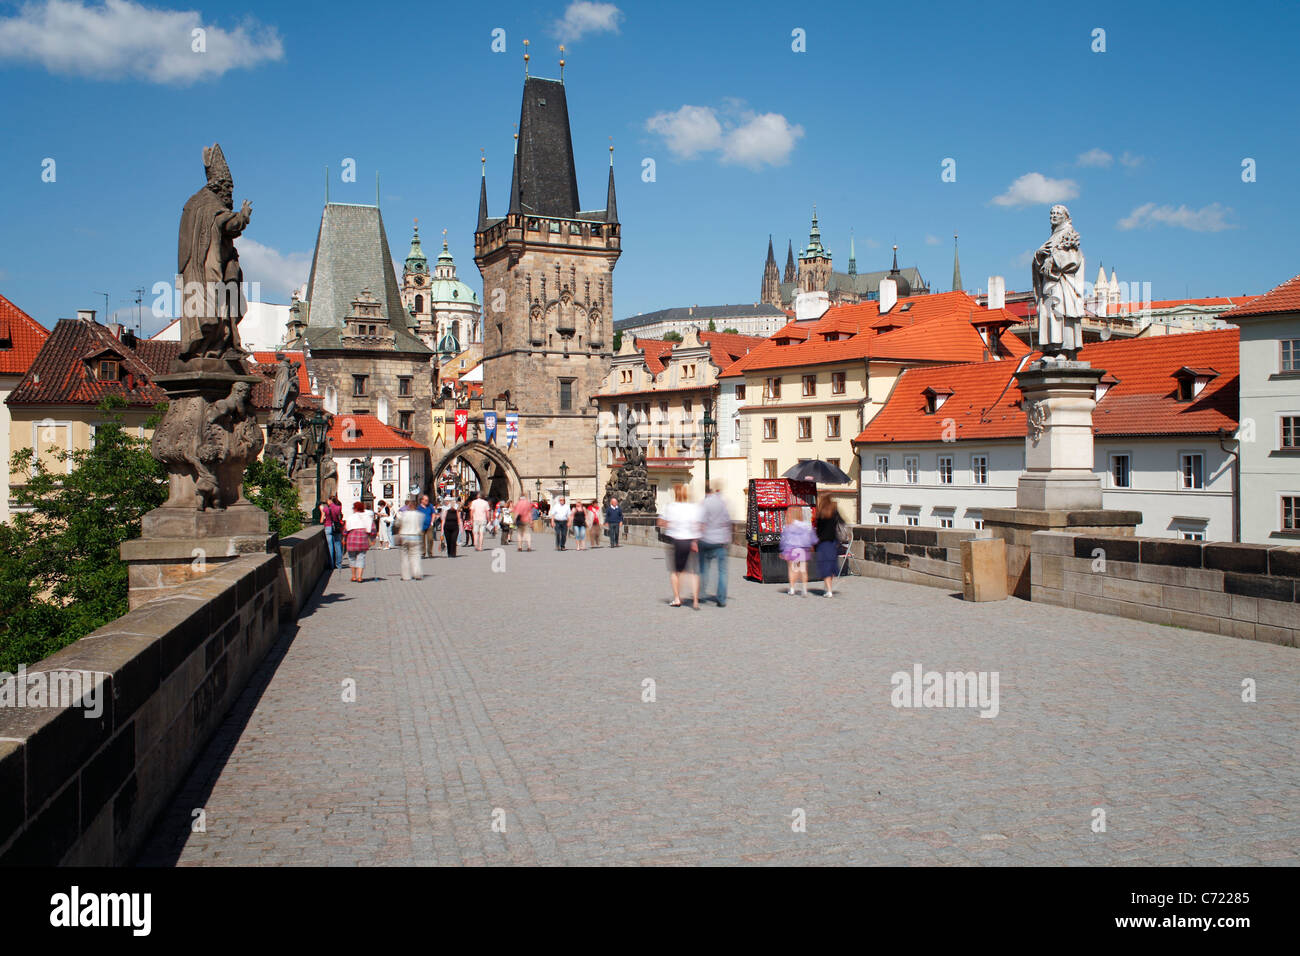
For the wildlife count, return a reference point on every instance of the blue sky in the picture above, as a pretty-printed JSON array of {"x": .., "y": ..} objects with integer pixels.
[{"x": 1145, "y": 142}]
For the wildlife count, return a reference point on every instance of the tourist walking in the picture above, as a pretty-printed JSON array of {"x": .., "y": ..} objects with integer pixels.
[
  {"x": 478, "y": 513},
  {"x": 410, "y": 537},
  {"x": 613, "y": 521},
  {"x": 681, "y": 523},
  {"x": 427, "y": 532},
  {"x": 715, "y": 541},
  {"x": 360, "y": 529},
  {"x": 451, "y": 527},
  {"x": 331, "y": 516},
  {"x": 593, "y": 525},
  {"x": 384, "y": 516},
  {"x": 797, "y": 541},
  {"x": 831, "y": 532},
  {"x": 578, "y": 524},
  {"x": 465, "y": 522},
  {"x": 505, "y": 521},
  {"x": 524, "y": 514},
  {"x": 560, "y": 522}
]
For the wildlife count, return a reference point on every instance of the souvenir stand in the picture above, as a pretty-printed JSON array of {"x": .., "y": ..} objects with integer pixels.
[{"x": 764, "y": 518}]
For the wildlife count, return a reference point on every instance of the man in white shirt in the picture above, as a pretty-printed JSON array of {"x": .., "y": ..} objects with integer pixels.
[
  {"x": 478, "y": 516},
  {"x": 715, "y": 539},
  {"x": 560, "y": 522}
]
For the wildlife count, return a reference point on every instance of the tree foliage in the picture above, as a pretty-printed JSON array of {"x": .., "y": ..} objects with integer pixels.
[
  {"x": 713, "y": 326},
  {"x": 731, "y": 331},
  {"x": 61, "y": 574},
  {"x": 267, "y": 486},
  {"x": 618, "y": 340},
  {"x": 672, "y": 337}
]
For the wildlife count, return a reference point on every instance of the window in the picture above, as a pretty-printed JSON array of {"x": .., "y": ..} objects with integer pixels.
[
  {"x": 837, "y": 383},
  {"x": 882, "y": 469},
  {"x": 1291, "y": 431},
  {"x": 772, "y": 389},
  {"x": 912, "y": 468},
  {"x": 354, "y": 469},
  {"x": 769, "y": 430},
  {"x": 404, "y": 385},
  {"x": 832, "y": 426},
  {"x": 945, "y": 521},
  {"x": 404, "y": 420},
  {"x": 387, "y": 470},
  {"x": 945, "y": 469},
  {"x": 1290, "y": 355},
  {"x": 740, "y": 393},
  {"x": 1193, "y": 471},
  {"x": 566, "y": 394},
  {"x": 769, "y": 467},
  {"x": 805, "y": 428},
  {"x": 833, "y": 461},
  {"x": 1120, "y": 475},
  {"x": 911, "y": 518},
  {"x": 979, "y": 469},
  {"x": 735, "y": 424},
  {"x": 809, "y": 386},
  {"x": 107, "y": 371},
  {"x": 976, "y": 519},
  {"x": 359, "y": 385},
  {"x": 882, "y": 517},
  {"x": 1192, "y": 535},
  {"x": 1291, "y": 512},
  {"x": 663, "y": 409},
  {"x": 687, "y": 407}
]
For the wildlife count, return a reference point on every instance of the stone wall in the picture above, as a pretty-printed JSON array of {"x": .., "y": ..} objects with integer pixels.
[
  {"x": 1238, "y": 590},
  {"x": 930, "y": 556},
  {"x": 85, "y": 790}
]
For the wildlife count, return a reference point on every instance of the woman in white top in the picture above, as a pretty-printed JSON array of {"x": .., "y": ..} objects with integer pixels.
[
  {"x": 358, "y": 527},
  {"x": 385, "y": 516},
  {"x": 681, "y": 524}
]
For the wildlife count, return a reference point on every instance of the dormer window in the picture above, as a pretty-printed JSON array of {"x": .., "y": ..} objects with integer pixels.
[
  {"x": 934, "y": 399},
  {"x": 1192, "y": 381},
  {"x": 1107, "y": 382},
  {"x": 108, "y": 371}
]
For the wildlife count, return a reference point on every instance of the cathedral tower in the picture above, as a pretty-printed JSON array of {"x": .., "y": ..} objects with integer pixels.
[
  {"x": 548, "y": 291},
  {"x": 815, "y": 262},
  {"x": 771, "y": 289}
]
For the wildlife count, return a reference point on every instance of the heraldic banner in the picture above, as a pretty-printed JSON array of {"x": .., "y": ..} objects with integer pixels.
[
  {"x": 490, "y": 427},
  {"x": 462, "y": 424},
  {"x": 512, "y": 429}
]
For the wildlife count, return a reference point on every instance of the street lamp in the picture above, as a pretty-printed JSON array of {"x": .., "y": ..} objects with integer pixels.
[
  {"x": 710, "y": 432},
  {"x": 564, "y": 484},
  {"x": 319, "y": 426},
  {"x": 538, "y": 496}
]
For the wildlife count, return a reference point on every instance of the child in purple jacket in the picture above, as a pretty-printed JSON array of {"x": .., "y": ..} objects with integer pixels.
[{"x": 797, "y": 543}]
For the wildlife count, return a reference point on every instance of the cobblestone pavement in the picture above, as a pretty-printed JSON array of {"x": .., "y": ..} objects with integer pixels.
[{"x": 520, "y": 693}]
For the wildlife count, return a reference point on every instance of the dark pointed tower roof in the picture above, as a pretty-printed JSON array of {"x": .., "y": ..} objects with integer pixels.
[
  {"x": 853, "y": 256},
  {"x": 611, "y": 205},
  {"x": 956, "y": 266},
  {"x": 545, "y": 181},
  {"x": 482, "y": 199},
  {"x": 790, "y": 271},
  {"x": 771, "y": 257}
]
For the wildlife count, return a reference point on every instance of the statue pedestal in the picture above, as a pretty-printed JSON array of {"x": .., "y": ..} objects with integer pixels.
[
  {"x": 205, "y": 441},
  {"x": 1058, "y": 490}
]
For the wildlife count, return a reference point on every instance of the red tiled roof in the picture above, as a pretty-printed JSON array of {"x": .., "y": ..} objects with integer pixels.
[
  {"x": 985, "y": 400},
  {"x": 726, "y": 347},
  {"x": 930, "y": 328},
  {"x": 1282, "y": 298},
  {"x": 654, "y": 350},
  {"x": 366, "y": 432},
  {"x": 24, "y": 337},
  {"x": 265, "y": 359}
]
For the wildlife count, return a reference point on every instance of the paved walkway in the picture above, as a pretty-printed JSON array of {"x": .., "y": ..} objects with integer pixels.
[{"x": 520, "y": 693}]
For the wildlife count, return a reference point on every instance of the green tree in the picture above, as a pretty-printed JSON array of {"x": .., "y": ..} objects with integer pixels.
[
  {"x": 731, "y": 331},
  {"x": 618, "y": 340},
  {"x": 61, "y": 574},
  {"x": 713, "y": 326},
  {"x": 672, "y": 336},
  {"x": 267, "y": 486}
]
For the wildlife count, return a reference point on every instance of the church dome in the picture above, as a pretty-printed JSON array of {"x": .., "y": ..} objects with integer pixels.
[{"x": 445, "y": 288}]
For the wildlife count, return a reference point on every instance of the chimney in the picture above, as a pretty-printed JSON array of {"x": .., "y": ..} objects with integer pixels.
[
  {"x": 997, "y": 292},
  {"x": 888, "y": 295},
  {"x": 115, "y": 328},
  {"x": 86, "y": 315}
]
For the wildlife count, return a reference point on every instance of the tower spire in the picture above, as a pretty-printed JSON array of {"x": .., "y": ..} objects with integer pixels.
[
  {"x": 611, "y": 203},
  {"x": 482, "y": 194},
  {"x": 853, "y": 256},
  {"x": 956, "y": 266},
  {"x": 791, "y": 273}
]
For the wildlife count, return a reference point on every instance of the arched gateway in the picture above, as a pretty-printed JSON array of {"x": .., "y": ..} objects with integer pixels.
[{"x": 497, "y": 477}]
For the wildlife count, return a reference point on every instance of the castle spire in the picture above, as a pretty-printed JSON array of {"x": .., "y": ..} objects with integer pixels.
[
  {"x": 956, "y": 266},
  {"x": 611, "y": 205},
  {"x": 853, "y": 256},
  {"x": 791, "y": 270},
  {"x": 482, "y": 197}
]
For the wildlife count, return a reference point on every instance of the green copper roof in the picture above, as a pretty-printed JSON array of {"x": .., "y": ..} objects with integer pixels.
[{"x": 416, "y": 256}]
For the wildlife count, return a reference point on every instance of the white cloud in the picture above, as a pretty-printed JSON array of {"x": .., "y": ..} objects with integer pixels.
[
  {"x": 1025, "y": 258},
  {"x": 742, "y": 137},
  {"x": 1209, "y": 218},
  {"x": 582, "y": 17},
  {"x": 1130, "y": 160},
  {"x": 933, "y": 241},
  {"x": 122, "y": 39},
  {"x": 278, "y": 272},
  {"x": 1034, "y": 189},
  {"x": 1095, "y": 157}
]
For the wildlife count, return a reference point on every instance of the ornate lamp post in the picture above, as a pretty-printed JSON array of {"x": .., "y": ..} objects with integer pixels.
[
  {"x": 710, "y": 433},
  {"x": 538, "y": 496},
  {"x": 564, "y": 484},
  {"x": 319, "y": 426}
]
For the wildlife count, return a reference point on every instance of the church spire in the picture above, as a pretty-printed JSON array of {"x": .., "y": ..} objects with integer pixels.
[
  {"x": 770, "y": 292},
  {"x": 611, "y": 205},
  {"x": 791, "y": 272},
  {"x": 482, "y": 198},
  {"x": 956, "y": 266},
  {"x": 853, "y": 256}
]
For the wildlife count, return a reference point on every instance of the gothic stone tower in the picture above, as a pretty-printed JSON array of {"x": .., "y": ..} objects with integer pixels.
[
  {"x": 548, "y": 291},
  {"x": 814, "y": 262},
  {"x": 771, "y": 290}
]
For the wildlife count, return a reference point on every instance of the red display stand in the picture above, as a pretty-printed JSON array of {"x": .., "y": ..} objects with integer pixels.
[{"x": 764, "y": 518}]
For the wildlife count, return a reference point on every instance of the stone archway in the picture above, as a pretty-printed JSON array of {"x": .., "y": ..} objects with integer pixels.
[{"x": 497, "y": 476}]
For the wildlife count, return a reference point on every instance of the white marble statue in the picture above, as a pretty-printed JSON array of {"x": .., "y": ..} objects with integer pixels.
[{"x": 1058, "y": 290}]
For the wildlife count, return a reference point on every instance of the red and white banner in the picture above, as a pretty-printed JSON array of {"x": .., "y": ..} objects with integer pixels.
[{"x": 462, "y": 424}]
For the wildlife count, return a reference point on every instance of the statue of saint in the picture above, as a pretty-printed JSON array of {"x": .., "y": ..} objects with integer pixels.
[
  {"x": 1058, "y": 289},
  {"x": 284, "y": 402},
  {"x": 209, "y": 265}
]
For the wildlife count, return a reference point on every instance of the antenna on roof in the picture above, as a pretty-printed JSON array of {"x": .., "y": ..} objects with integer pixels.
[
  {"x": 376, "y": 189},
  {"x": 525, "y": 59},
  {"x": 327, "y": 185},
  {"x": 561, "y": 62}
]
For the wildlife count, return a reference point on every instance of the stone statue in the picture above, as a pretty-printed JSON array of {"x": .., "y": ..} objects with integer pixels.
[
  {"x": 207, "y": 444},
  {"x": 630, "y": 484},
  {"x": 284, "y": 403},
  {"x": 1058, "y": 290},
  {"x": 367, "y": 479},
  {"x": 209, "y": 266}
]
